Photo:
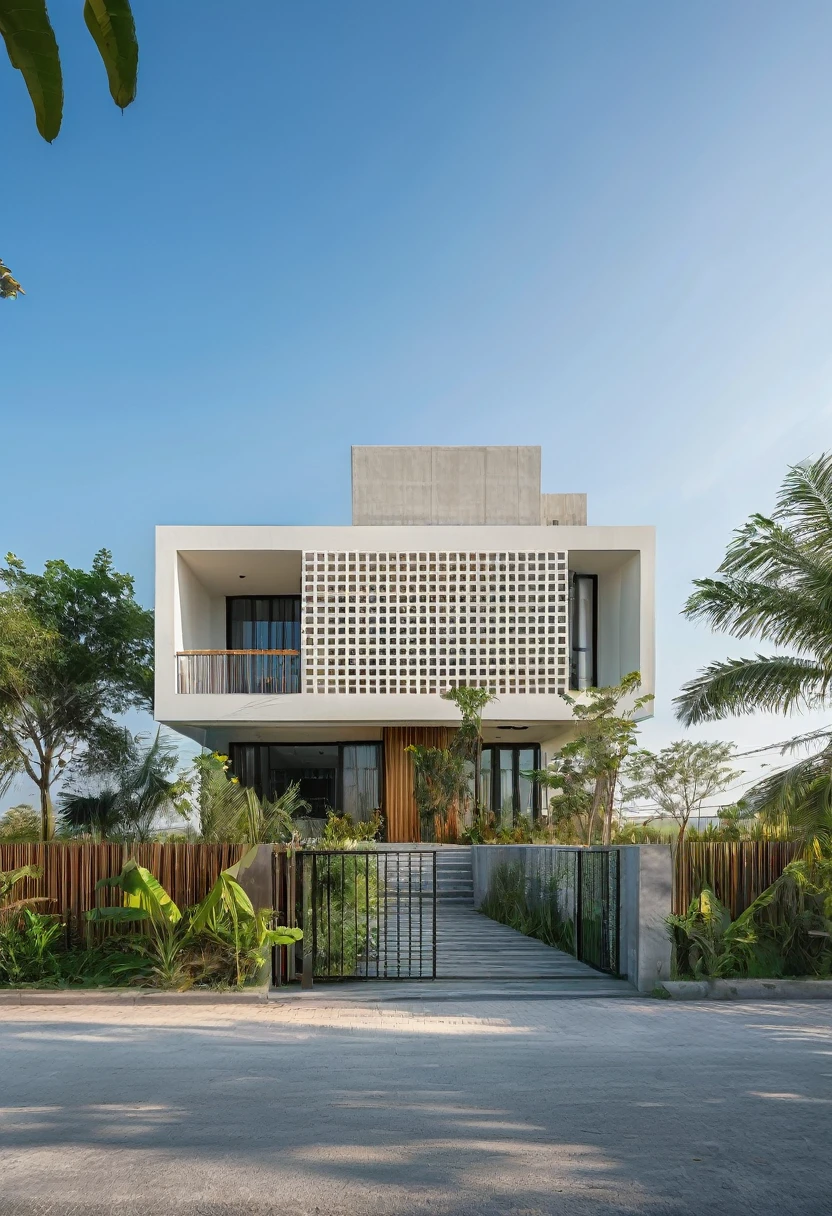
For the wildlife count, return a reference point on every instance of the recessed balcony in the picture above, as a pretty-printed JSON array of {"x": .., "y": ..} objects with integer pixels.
[{"x": 265, "y": 672}]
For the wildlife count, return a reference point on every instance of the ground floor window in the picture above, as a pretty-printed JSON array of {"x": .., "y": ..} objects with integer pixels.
[
  {"x": 345, "y": 777},
  {"x": 503, "y": 787}
]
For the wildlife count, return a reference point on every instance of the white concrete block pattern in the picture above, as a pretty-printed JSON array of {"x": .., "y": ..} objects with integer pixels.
[{"x": 421, "y": 622}]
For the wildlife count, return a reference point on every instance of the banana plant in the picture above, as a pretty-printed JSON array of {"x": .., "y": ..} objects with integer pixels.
[
  {"x": 225, "y": 907},
  {"x": 33, "y": 49}
]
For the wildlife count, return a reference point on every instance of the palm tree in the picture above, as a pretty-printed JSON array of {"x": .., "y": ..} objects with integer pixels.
[
  {"x": 127, "y": 804},
  {"x": 776, "y": 586}
]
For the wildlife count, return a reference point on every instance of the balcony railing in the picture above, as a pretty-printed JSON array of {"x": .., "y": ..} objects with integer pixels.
[{"x": 241, "y": 671}]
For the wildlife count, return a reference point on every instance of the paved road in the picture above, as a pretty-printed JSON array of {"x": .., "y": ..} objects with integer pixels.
[{"x": 475, "y": 1106}]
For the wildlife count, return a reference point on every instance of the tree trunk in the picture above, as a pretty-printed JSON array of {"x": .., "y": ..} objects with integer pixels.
[
  {"x": 597, "y": 799},
  {"x": 47, "y": 821},
  {"x": 610, "y": 796}
]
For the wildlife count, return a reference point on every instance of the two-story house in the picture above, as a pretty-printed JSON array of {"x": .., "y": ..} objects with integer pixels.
[{"x": 318, "y": 654}]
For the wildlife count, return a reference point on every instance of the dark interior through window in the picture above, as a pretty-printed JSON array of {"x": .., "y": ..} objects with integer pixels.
[{"x": 263, "y": 622}]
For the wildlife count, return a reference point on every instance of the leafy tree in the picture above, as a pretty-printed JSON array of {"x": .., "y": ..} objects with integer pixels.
[
  {"x": 776, "y": 586},
  {"x": 586, "y": 770},
  {"x": 442, "y": 775},
  {"x": 680, "y": 778},
  {"x": 127, "y": 804},
  {"x": 20, "y": 825},
  {"x": 78, "y": 650}
]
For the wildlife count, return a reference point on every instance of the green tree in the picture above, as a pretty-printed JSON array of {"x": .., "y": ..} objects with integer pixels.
[
  {"x": 586, "y": 770},
  {"x": 125, "y": 803},
  {"x": 775, "y": 586},
  {"x": 20, "y": 824},
  {"x": 78, "y": 652},
  {"x": 680, "y": 778}
]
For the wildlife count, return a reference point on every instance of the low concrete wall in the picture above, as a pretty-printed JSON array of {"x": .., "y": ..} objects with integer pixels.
[
  {"x": 646, "y": 892},
  {"x": 255, "y": 876}
]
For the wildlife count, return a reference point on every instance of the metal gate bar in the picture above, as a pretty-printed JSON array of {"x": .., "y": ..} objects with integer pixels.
[{"x": 365, "y": 914}]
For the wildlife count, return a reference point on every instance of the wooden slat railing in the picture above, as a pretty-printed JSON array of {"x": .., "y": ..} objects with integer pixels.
[{"x": 238, "y": 671}]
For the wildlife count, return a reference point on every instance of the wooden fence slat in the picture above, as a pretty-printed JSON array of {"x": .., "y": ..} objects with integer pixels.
[
  {"x": 70, "y": 871},
  {"x": 737, "y": 871}
]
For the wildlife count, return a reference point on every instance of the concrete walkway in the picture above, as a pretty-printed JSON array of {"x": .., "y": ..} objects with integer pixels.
[
  {"x": 471, "y": 946},
  {"x": 448, "y": 1108}
]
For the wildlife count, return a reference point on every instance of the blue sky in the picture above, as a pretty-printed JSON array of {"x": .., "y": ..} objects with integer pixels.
[{"x": 601, "y": 228}]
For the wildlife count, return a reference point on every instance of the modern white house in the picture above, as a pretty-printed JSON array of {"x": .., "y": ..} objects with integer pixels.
[{"x": 318, "y": 654}]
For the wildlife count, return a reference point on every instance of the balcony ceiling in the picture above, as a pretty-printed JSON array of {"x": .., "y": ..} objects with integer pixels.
[{"x": 267, "y": 572}]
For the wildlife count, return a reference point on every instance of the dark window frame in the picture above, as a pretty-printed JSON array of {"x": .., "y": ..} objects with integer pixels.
[
  {"x": 573, "y": 629},
  {"x": 339, "y": 770},
  {"x": 516, "y": 748},
  {"x": 232, "y": 599}
]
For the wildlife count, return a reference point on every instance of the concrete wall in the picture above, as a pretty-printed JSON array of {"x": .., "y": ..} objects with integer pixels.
[
  {"x": 645, "y": 899},
  {"x": 565, "y": 510},
  {"x": 197, "y": 566},
  {"x": 445, "y": 485}
]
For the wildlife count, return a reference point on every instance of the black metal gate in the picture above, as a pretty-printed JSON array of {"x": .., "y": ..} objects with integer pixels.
[
  {"x": 366, "y": 914},
  {"x": 597, "y": 910}
]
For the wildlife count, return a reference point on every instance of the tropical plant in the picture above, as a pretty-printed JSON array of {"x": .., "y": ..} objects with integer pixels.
[
  {"x": 585, "y": 773},
  {"x": 530, "y": 904},
  {"x": 129, "y": 799},
  {"x": 76, "y": 649},
  {"x": 444, "y": 777},
  {"x": 33, "y": 49},
  {"x": 679, "y": 779},
  {"x": 20, "y": 824},
  {"x": 177, "y": 946},
  {"x": 342, "y": 830},
  {"x": 776, "y": 586},
  {"x": 787, "y": 930},
  {"x": 233, "y": 813}
]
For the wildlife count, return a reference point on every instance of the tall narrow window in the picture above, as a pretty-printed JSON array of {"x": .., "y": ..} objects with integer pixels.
[
  {"x": 526, "y": 763},
  {"x": 583, "y": 624},
  {"x": 505, "y": 793}
]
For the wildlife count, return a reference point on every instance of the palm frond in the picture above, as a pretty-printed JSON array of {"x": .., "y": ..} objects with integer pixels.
[
  {"x": 776, "y": 683},
  {"x": 805, "y": 502},
  {"x": 785, "y": 615}
]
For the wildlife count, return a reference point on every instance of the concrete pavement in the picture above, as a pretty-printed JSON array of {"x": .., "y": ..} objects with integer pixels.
[{"x": 334, "y": 1104}]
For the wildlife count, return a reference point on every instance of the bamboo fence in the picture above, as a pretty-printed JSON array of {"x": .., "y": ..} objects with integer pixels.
[
  {"x": 736, "y": 871},
  {"x": 69, "y": 872}
]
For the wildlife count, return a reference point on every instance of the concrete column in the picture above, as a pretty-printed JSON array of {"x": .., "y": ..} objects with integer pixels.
[
  {"x": 255, "y": 875},
  {"x": 646, "y": 901}
]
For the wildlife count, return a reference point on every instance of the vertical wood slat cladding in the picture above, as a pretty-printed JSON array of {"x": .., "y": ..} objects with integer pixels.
[
  {"x": 736, "y": 871},
  {"x": 69, "y": 872},
  {"x": 399, "y": 803}
]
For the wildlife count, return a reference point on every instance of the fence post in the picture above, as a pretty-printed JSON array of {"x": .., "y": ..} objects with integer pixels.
[{"x": 307, "y": 926}]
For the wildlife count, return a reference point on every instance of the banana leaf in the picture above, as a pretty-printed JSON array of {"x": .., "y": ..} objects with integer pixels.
[
  {"x": 120, "y": 915},
  {"x": 142, "y": 890},
  {"x": 110, "y": 22}
]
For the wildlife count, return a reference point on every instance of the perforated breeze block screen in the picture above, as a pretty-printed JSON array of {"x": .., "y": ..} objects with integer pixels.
[{"x": 425, "y": 622}]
